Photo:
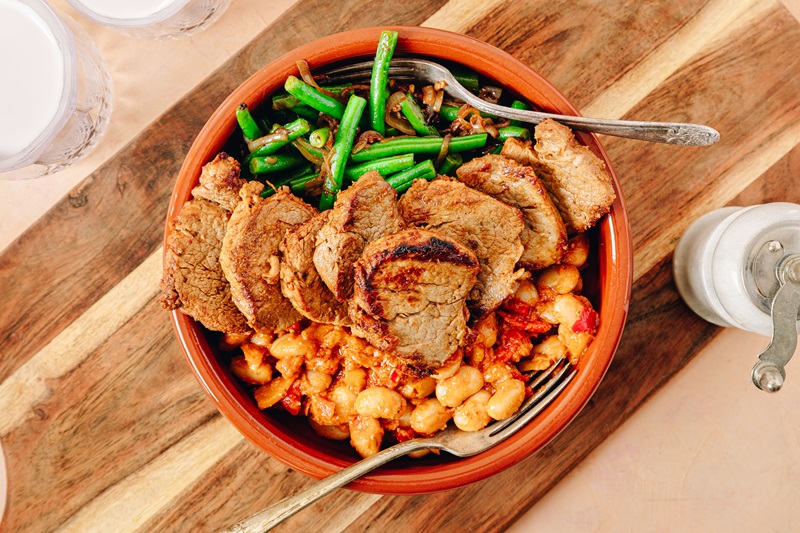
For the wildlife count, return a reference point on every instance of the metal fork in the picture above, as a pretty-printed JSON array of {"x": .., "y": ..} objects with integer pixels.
[
  {"x": 547, "y": 386},
  {"x": 420, "y": 69}
]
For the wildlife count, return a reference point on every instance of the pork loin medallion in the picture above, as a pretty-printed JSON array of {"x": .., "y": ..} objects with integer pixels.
[
  {"x": 193, "y": 280},
  {"x": 250, "y": 255},
  {"x": 409, "y": 296},
  {"x": 365, "y": 211},
  {"x": 488, "y": 227},
  {"x": 300, "y": 281},
  {"x": 544, "y": 237},
  {"x": 577, "y": 180}
]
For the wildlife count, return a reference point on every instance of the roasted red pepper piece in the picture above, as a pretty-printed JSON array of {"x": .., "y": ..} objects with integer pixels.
[{"x": 587, "y": 321}]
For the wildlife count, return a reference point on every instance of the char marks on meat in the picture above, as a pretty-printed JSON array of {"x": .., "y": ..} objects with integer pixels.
[
  {"x": 410, "y": 293},
  {"x": 544, "y": 236},
  {"x": 220, "y": 181},
  {"x": 193, "y": 280},
  {"x": 364, "y": 212},
  {"x": 300, "y": 281},
  {"x": 250, "y": 255},
  {"x": 577, "y": 180},
  {"x": 489, "y": 227}
]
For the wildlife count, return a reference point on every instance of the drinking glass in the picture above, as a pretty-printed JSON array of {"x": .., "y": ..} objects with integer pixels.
[
  {"x": 55, "y": 98},
  {"x": 153, "y": 19}
]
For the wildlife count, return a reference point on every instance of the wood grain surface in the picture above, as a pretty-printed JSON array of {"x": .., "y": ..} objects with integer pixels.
[{"x": 104, "y": 426}]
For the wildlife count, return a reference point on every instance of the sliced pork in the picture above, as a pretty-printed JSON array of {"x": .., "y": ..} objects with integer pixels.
[
  {"x": 300, "y": 281},
  {"x": 488, "y": 227},
  {"x": 193, "y": 280},
  {"x": 250, "y": 255},
  {"x": 410, "y": 295},
  {"x": 364, "y": 212},
  {"x": 577, "y": 180},
  {"x": 220, "y": 181},
  {"x": 544, "y": 236}
]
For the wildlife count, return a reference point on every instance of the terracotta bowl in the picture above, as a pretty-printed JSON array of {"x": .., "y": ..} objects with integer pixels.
[{"x": 607, "y": 279}]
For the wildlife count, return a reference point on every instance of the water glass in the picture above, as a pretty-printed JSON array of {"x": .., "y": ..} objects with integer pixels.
[
  {"x": 59, "y": 103},
  {"x": 153, "y": 19}
]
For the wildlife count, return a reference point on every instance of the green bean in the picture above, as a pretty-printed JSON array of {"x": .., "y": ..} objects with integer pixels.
[
  {"x": 341, "y": 150},
  {"x": 294, "y": 129},
  {"x": 466, "y": 77},
  {"x": 513, "y": 131},
  {"x": 311, "y": 153},
  {"x": 312, "y": 97},
  {"x": 275, "y": 163},
  {"x": 249, "y": 127},
  {"x": 379, "y": 80},
  {"x": 319, "y": 137},
  {"x": 418, "y": 145},
  {"x": 298, "y": 185},
  {"x": 284, "y": 101},
  {"x": 384, "y": 167},
  {"x": 450, "y": 113},
  {"x": 306, "y": 111},
  {"x": 518, "y": 104},
  {"x": 451, "y": 162},
  {"x": 402, "y": 180},
  {"x": 415, "y": 117}
]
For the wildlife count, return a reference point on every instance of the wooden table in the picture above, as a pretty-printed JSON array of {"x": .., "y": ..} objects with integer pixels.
[{"x": 104, "y": 426}]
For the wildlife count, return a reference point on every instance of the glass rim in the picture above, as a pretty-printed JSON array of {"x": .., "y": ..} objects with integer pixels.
[
  {"x": 65, "y": 40},
  {"x": 141, "y": 22}
]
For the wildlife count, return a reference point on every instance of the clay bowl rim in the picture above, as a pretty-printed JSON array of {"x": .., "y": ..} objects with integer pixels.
[{"x": 614, "y": 255}]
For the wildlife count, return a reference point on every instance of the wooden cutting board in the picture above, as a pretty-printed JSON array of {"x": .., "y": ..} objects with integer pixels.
[{"x": 104, "y": 426}]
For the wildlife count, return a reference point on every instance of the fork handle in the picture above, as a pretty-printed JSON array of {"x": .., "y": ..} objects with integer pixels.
[
  {"x": 664, "y": 132},
  {"x": 276, "y": 513}
]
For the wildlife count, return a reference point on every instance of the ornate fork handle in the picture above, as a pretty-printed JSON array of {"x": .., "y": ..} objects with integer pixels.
[{"x": 663, "y": 132}]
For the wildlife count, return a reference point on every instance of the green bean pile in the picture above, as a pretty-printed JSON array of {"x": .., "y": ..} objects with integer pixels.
[{"x": 316, "y": 139}]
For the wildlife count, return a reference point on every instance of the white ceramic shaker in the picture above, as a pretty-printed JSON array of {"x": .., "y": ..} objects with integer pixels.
[{"x": 740, "y": 267}]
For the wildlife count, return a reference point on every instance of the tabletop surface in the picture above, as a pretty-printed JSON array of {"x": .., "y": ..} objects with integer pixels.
[{"x": 105, "y": 428}]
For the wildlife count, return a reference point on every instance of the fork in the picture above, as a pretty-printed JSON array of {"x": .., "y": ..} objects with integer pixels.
[
  {"x": 421, "y": 69},
  {"x": 549, "y": 383}
]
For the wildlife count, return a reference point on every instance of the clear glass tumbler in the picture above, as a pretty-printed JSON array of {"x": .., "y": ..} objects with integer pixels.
[
  {"x": 55, "y": 98},
  {"x": 153, "y": 19}
]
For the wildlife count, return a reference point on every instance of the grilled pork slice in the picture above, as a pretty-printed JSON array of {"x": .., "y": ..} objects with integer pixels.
[
  {"x": 193, "y": 280},
  {"x": 250, "y": 254},
  {"x": 409, "y": 296},
  {"x": 300, "y": 281},
  {"x": 577, "y": 180},
  {"x": 489, "y": 227},
  {"x": 220, "y": 181},
  {"x": 364, "y": 212},
  {"x": 544, "y": 236}
]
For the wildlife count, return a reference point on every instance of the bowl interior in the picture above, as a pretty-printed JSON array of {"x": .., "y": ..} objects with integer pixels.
[{"x": 607, "y": 279}]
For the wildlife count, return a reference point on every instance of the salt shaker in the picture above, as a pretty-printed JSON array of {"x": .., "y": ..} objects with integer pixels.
[{"x": 740, "y": 267}]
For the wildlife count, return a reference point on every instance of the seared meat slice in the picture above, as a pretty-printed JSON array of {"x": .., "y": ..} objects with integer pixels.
[
  {"x": 250, "y": 257},
  {"x": 300, "y": 281},
  {"x": 576, "y": 179},
  {"x": 362, "y": 213},
  {"x": 544, "y": 236},
  {"x": 409, "y": 295},
  {"x": 220, "y": 181},
  {"x": 193, "y": 280},
  {"x": 489, "y": 227}
]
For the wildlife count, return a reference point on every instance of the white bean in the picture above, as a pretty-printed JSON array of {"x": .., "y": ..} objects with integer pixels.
[
  {"x": 429, "y": 417},
  {"x": 452, "y": 391},
  {"x": 254, "y": 374},
  {"x": 560, "y": 278},
  {"x": 507, "y": 398},
  {"x": 366, "y": 435},
  {"x": 380, "y": 402},
  {"x": 341, "y": 432},
  {"x": 471, "y": 415},
  {"x": 291, "y": 345}
]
